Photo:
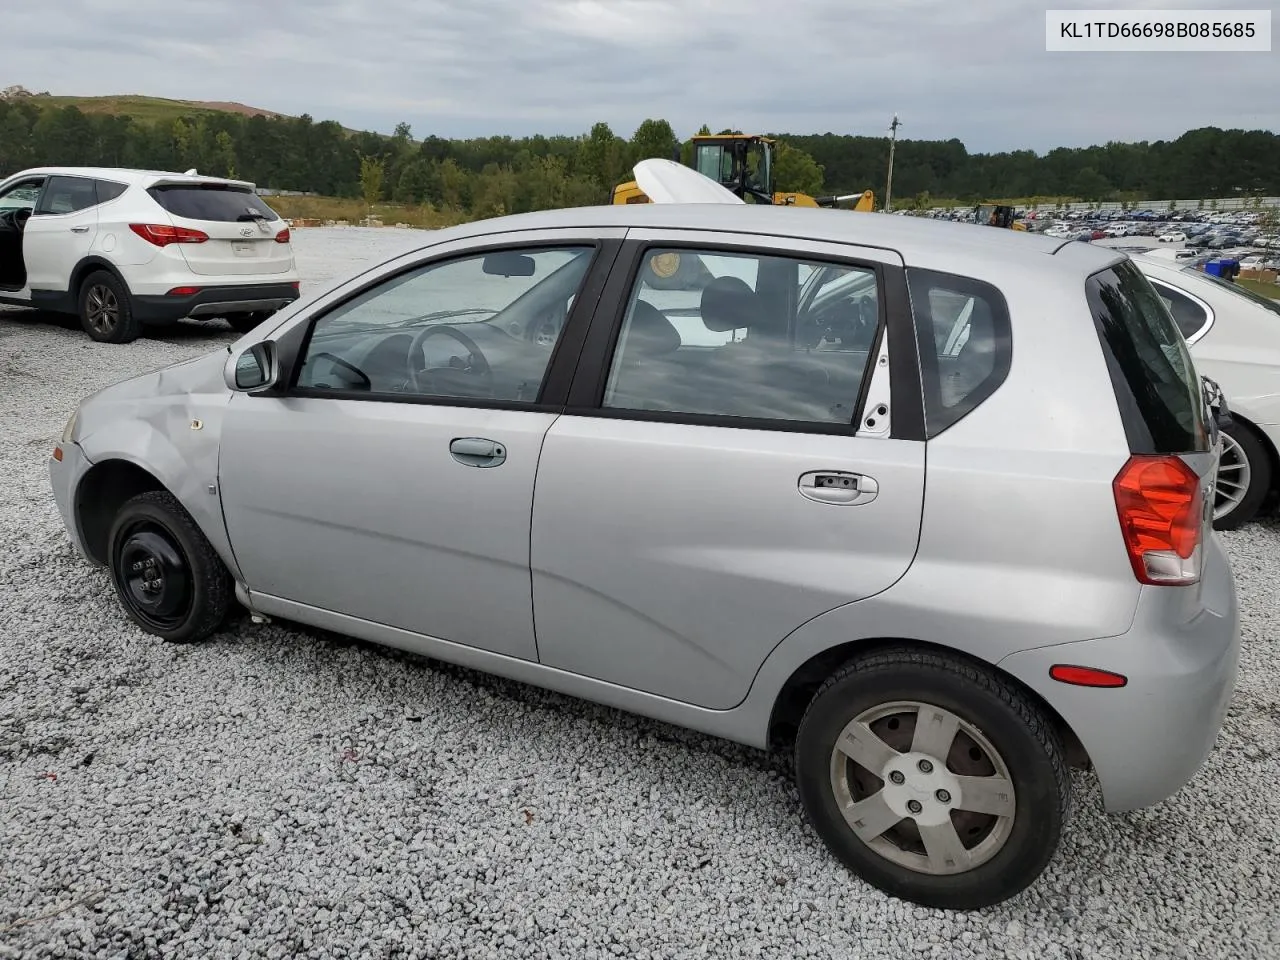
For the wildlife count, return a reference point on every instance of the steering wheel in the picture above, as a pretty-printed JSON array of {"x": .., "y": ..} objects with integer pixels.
[{"x": 475, "y": 365}]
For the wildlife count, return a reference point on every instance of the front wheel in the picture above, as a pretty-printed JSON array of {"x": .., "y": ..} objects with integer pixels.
[
  {"x": 168, "y": 577},
  {"x": 933, "y": 779}
]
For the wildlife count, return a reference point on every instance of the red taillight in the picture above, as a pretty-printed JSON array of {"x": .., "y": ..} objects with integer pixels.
[
  {"x": 1086, "y": 676},
  {"x": 283, "y": 236},
  {"x": 163, "y": 234},
  {"x": 1161, "y": 516},
  {"x": 183, "y": 292}
]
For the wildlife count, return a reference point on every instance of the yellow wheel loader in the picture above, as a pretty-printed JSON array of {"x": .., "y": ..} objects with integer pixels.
[
  {"x": 743, "y": 163},
  {"x": 997, "y": 215}
]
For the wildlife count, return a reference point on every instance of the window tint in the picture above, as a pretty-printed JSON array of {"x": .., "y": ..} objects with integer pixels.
[
  {"x": 214, "y": 201},
  {"x": 965, "y": 341},
  {"x": 738, "y": 335},
  {"x": 1190, "y": 317},
  {"x": 67, "y": 195},
  {"x": 1155, "y": 382},
  {"x": 481, "y": 327},
  {"x": 108, "y": 190}
]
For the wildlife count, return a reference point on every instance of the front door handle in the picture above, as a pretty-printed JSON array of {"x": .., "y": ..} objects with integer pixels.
[
  {"x": 478, "y": 452},
  {"x": 79, "y": 229},
  {"x": 838, "y": 487}
]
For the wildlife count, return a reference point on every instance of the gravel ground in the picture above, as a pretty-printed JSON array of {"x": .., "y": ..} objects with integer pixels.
[{"x": 279, "y": 793}]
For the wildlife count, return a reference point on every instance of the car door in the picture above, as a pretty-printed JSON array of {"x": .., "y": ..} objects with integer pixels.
[
  {"x": 710, "y": 487},
  {"x": 60, "y": 232},
  {"x": 18, "y": 199},
  {"x": 392, "y": 480}
]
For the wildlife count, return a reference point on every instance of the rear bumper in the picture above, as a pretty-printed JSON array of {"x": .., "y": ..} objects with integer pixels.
[
  {"x": 216, "y": 301},
  {"x": 1147, "y": 739}
]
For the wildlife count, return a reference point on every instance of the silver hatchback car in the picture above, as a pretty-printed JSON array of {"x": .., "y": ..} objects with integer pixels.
[{"x": 926, "y": 506}]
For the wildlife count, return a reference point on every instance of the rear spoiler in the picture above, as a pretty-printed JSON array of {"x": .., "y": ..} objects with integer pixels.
[{"x": 184, "y": 180}]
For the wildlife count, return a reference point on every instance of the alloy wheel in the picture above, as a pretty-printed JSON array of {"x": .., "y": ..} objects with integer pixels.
[
  {"x": 1234, "y": 475},
  {"x": 102, "y": 309},
  {"x": 923, "y": 788}
]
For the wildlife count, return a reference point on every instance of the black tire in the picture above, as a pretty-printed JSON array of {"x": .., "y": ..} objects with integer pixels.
[
  {"x": 154, "y": 540},
  {"x": 245, "y": 322},
  {"x": 106, "y": 309},
  {"x": 1023, "y": 738},
  {"x": 1258, "y": 461}
]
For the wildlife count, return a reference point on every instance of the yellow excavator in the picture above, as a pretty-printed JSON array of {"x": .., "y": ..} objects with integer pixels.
[
  {"x": 743, "y": 163},
  {"x": 997, "y": 215}
]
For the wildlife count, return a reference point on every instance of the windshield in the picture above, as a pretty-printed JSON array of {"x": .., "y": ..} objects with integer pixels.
[{"x": 1238, "y": 290}]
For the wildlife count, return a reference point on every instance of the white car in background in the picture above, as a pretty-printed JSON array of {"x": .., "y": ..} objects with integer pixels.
[
  {"x": 124, "y": 248},
  {"x": 1232, "y": 333},
  {"x": 1173, "y": 236}
]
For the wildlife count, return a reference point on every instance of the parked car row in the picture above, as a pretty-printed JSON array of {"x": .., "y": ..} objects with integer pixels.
[{"x": 678, "y": 459}]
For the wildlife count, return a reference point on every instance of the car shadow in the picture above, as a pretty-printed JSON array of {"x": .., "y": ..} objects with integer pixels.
[{"x": 181, "y": 332}]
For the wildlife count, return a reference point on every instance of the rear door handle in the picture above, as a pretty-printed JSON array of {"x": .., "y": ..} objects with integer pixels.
[
  {"x": 478, "y": 452},
  {"x": 79, "y": 229},
  {"x": 838, "y": 487}
]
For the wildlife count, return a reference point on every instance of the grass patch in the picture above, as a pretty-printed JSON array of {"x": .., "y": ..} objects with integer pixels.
[
  {"x": 1271, "y": 290},
  {"x": 353, "y": 211}
]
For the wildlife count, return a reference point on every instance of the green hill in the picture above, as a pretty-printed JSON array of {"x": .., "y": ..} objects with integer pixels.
[{"x": 149, "y": 109}]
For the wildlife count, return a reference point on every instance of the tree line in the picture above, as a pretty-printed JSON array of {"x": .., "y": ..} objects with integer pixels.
[{"x": 487, "y": 176}]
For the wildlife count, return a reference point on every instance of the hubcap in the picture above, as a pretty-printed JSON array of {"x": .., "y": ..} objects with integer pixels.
[
  {"x": 102, "y": 308},
  {"x": 923, "y": 788},
  {"x": 1232, "y": 481},
  {"x": 154, "y": 574}
]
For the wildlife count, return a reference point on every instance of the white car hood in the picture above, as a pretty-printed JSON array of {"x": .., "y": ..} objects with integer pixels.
[{"x": 665, "y": 181}]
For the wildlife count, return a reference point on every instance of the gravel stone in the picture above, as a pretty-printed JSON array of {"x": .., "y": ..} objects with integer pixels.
[{"x": 278, "y": 792}]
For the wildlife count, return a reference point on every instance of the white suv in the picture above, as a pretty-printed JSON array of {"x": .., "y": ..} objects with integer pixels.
[{"x": 124, "y": 248}]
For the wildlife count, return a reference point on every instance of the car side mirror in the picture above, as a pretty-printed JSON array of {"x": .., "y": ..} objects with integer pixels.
[{"x": 254, "y": 370}]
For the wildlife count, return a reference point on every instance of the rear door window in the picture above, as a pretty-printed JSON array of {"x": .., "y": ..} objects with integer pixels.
[
  {"x": 963, "y": 330},
  {"x": 223, "y": 203},
  {"x": 67, "y": 195},
  {"x": 1155, "y": 382}
]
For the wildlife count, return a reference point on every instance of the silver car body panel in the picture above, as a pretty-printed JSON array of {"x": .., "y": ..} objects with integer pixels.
[{"x": 1009, "y": 515}]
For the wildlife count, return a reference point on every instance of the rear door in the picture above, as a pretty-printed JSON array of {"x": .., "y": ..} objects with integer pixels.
[
  {"x": 246, "y": 237},
  {"x": 60, "y": 232},
  {"x": 709, "y": 489}
]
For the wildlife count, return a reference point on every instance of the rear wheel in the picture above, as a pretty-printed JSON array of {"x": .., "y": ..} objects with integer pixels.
[
  {"x": 1244, "y": 478},
  {"x": 244, "y": 322},
  {"x": 106, "y": 309},
  {"x": 933, "y": 779}
]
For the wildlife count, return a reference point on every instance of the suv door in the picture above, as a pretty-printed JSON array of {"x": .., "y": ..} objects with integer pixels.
[
  {"x": 392, "y": 480},
  {"x": 710, "y": 488},
  {"x": 60, "y": 232}
]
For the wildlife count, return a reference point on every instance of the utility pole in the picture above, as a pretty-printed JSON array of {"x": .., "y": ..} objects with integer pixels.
[{"x": 888, "y": 188}]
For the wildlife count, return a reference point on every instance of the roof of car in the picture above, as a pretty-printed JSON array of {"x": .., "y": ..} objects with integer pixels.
[
  {"x": 126, "y": 174},
  {"x": 906, "y": 235}
]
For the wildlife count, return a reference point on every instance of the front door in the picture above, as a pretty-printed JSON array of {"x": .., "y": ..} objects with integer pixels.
[
  {"x": 17, "y": 200},
  {"x": 716, "y": 490},
  {"x": 60, "y": 232},
  {"x": 393, "y": 482}
]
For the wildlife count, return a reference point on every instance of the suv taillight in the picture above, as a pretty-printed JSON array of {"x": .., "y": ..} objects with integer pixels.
[
  {"x": 283, "y": 236},
  {"x": 163, "y": 234},
  {"x": 1162, "y": 518}
]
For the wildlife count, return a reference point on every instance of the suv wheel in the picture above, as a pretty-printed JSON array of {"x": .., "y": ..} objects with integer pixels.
[
  {"x": 244, "y": 322},
  {"x": 1244, "y": 478},
  {"x": 168, "y": 577},
  {"x": 106, "y": 309},
  {"x": 933, "y": 779}
]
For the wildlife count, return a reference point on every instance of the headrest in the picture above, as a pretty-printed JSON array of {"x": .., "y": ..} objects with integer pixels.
[
  {"x": 650, "y": 333},
  {"x": 729, "y": 304}
]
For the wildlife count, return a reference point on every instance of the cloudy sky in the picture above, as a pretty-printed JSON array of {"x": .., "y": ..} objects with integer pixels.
[{"x": 976, "y": 70}]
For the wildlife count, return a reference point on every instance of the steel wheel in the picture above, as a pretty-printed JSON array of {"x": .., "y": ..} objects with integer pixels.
[
  {"x": 923, "y": 788},
  {"x": 102, "y": 309},
  {"x": 1233, "y": 478},
  {"x": 157, "y": 584}
]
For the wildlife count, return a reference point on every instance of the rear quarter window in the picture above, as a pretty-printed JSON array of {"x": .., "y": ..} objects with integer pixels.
[
  {"x": 1156, "y": 386},
  {"x": 216, "y": 202},
  {"x": 966, "y": 343}
]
